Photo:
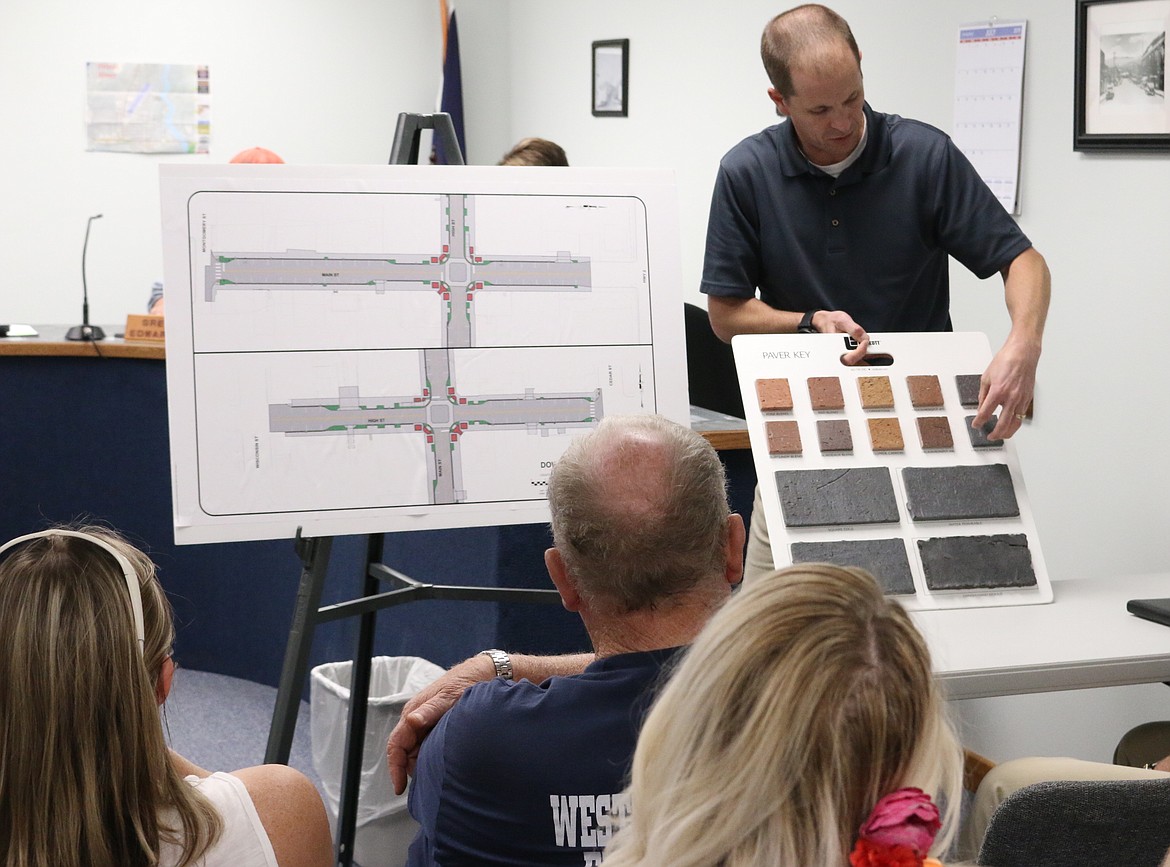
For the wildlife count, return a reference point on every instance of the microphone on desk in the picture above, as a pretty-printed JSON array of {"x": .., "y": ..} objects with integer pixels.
[{"x": 85, "y": 331}]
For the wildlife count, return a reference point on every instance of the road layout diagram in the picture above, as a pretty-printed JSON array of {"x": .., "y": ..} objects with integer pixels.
[{"x": 386, "y": 358}]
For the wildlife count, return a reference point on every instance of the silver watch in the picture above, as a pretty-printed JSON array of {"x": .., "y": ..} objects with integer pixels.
[{"x": 501, "y": 661}]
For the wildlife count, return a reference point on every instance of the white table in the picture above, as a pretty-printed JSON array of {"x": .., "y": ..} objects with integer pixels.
[{"x": 1083, "y": 639}]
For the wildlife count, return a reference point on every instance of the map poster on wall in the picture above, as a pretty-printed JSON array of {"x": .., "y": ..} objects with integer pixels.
[
  {"x": 366, "y": 349},
  {"x": 148, "y": 108}
]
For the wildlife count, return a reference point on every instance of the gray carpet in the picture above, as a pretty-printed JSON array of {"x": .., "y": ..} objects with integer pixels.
[{"x": 221, "y": 723}]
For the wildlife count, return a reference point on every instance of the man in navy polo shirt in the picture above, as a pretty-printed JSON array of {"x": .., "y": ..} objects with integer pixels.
[
  {"x": 843, "y": 219},
  {"x": 645, "y": 550}
]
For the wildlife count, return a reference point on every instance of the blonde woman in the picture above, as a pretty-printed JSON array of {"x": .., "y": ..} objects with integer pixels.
[
  {"x": 793, "y": 733},
  {"x": 85, "y": 775}
]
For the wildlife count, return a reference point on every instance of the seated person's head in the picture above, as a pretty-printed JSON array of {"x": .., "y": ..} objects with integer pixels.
[
  {"x": 807, "y": 699},
  {"x": 535, "y": 152},
  {"x": 639, "y": 514},
  {"x": 82, "y": 743},
  {"x": 256, "y": 155}
]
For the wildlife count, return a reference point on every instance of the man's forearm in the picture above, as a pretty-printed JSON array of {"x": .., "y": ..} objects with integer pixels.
[
  {"x": 1010, "y": 380},
  {"x": 540, "y": 668},
  {"x": 1027, "y": 286},
  {"x": 732, "y": 316},
  {"x": 426, "y": 708}
]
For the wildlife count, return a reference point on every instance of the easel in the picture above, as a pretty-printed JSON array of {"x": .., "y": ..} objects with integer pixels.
[
  {"x": 314, "y": 557},
  {"x": 404, "y": 151}
]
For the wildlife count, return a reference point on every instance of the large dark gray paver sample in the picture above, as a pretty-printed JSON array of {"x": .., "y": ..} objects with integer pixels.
[
  {"x": 960, "y": 493},
  {"x": 977, "y": 562},
  {"x": 885, "y": 559},
  {"x": 827, "y": 498}
]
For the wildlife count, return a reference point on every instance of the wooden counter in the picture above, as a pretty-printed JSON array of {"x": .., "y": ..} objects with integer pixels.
[{"x": 52, "y": 342}]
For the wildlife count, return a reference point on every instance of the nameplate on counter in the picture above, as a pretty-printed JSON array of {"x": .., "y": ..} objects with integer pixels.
[
  {"x": 148, "y": 329},
  {"x": 17, "y": 331}
]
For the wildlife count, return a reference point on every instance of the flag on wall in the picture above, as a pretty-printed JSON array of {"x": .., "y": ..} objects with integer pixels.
[{"x": 451, "y": 89}]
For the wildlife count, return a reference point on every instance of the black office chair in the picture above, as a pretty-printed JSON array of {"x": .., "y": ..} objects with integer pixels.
[
  {"x": 710, "y": 366},
  {"x": 1069, "y": 823}
]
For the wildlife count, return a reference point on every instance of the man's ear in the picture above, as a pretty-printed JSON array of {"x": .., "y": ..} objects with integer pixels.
[
  {"x": 165, "y": 677},
  {"x": 736, "y": 536},
  {"x": 555, "y": 563},
  {"x": 778, "y": 100}
]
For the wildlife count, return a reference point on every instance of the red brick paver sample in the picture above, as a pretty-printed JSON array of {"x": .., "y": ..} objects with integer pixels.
[
  {"x": 774, "y": 395},
  {"x": 934, "y": 431},
  {"x": 783, "y": 437},
  {"x": 825, "y": 393},
  {"x": 925, "y": 392}
]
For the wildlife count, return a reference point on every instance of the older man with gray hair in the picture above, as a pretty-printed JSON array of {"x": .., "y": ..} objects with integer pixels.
[{"x": 530, "y": 771}]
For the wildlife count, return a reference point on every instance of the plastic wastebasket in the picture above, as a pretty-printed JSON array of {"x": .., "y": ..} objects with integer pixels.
[{"x": 384, "y": 827}]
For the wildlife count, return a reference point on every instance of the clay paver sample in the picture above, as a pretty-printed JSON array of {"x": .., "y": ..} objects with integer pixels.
[
  {"x": 774, "y": 395},
  {"x": 826, "y": 498},
  {"x": 968, "y": 384},
  {"x": 934, "y": 431},
  {"x": 834, "y": 435},
  {"x": 886, "y": 435},
  {"x": 979, "y": 438},
  {"x": 825, "y": 393},
  {"x": 783, "y": 437},
  {"x": 977, "y": 562},
  {"x": 925, "y": 392},
  {"x": 960, "y": 493},
  {"x": 885, "y": 559},
  {"x": 875, "y": 392}
]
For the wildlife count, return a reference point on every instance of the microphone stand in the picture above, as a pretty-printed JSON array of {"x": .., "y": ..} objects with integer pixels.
[{"x": 85, "y": 331}]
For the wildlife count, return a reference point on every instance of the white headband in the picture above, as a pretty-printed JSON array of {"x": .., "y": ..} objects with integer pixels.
[{"x": 128, "y": 571}]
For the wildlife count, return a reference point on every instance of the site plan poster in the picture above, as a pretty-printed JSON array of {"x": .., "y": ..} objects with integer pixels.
[{"x": 384, "y": 348}]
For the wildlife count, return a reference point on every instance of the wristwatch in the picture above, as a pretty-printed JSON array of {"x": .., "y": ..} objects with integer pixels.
[
  {"x": 501, "y": 661},
  {"x": 806, "y": 323}
]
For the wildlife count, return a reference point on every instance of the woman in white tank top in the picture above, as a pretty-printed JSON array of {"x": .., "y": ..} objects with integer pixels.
[{"x": 87, "y": 778}]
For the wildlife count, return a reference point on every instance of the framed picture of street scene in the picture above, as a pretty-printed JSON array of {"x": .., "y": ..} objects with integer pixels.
[{"x": 1120, "y": 77}]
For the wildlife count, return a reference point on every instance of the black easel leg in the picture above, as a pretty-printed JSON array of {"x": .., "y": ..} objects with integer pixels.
[
  {"x": 314, "y": 554},
  {"x": 359, "y": 692}
]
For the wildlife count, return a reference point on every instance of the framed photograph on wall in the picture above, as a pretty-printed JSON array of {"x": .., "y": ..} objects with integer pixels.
[
  {"x": 1120, "y": 78},
  {"x": 611, "y": 77}
]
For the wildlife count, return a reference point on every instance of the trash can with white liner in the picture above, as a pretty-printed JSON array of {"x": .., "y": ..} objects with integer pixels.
[{"x": 384, "y": 827}]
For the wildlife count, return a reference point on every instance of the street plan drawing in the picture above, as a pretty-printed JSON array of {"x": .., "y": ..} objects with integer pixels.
[{"x": 406, "y": 347}]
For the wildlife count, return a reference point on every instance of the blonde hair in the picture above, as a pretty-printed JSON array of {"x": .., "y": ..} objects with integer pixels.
[
  {"x": 807, "y": 698},
  {"x": 85, "y": 778}
]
